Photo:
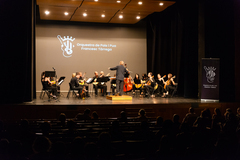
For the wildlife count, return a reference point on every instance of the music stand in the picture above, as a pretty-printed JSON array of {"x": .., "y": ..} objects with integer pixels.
[
  {"x": 61, "y": 80},
  {"x": 50, "y": 73}
]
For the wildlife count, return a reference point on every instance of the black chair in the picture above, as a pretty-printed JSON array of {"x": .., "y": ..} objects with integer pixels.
[
  {"x": 73, "y": 91},
  {"x": 45, "y": 91},
  {"x": 172, "y": 92}
]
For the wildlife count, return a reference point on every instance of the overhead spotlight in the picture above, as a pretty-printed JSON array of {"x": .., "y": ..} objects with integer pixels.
[
  {"x": 47, "y": 12},
  {"x": 65, "y": 13},
  {"x": 120, "y": 16},
  {"x": 95, "y": 0},
  {"x": 118, "y": 1},
  {"x": 84, "y": 14},
  {"x": 138, "y": 17},
  {"x": 103, "y": 15},
  {"x": 161, "y": 4},
  {"x": 140, "y": 3}
]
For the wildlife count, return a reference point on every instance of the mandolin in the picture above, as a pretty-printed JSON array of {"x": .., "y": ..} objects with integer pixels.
[{"x": 168, "y": 82}]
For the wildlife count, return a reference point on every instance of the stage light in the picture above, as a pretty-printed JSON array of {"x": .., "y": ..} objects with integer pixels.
[
  {"x": 140, "y": 3},
  {"x": 47, "y": 12},
  {"x": 120, "y": 16},
  {"x": 138, "y": 17},
  {"x": 95, "y": 0},
  {"x": 84, "y": 14},
  {"x": 103, "y": 15},
  {"x": 118, "y": 1},
  {"x": 66, "y": 13},
  {"x": 161, "y": 4}
]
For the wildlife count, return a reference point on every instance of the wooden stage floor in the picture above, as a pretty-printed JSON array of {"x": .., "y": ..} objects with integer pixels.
[
  {"x": 164, "y": 107},
  {"x": 99, "y": 100}
]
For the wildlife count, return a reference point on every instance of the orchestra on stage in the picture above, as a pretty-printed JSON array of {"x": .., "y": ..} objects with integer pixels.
[{"x": 122, "y": 82}]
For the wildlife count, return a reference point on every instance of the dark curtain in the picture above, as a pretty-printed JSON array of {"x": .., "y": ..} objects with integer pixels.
[{"x": 172, "y": 45}]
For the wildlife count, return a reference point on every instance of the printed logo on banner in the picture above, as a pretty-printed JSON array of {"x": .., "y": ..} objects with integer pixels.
[
  {"x": 210, "y": 74},
  {"x": 66, "y": 45}
]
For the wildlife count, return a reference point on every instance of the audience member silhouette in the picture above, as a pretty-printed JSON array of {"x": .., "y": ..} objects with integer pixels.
[
  {"x": 58, "y": 151},
  {"x": 77, "y": 148},
  {"x": 142, "y": 115},
  {"x": 190, "y": 117},
  {"x": 62, "y": 119},
  {"x": 46, "y": 128},
  {"x": 84, "y": 116},
  {"x": 91, "y": 151},
  {"x": 105, "y": 150},
  {"x": 41, "y": 147},
  {"x": 94, "y": 115},
  {"x": 123, "y": 117}
]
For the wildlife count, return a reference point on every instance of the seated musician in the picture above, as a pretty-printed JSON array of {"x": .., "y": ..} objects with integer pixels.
[
  {"x": 101, "y": 85},
  {"x": 160, "y": 81},
  {"x": 169, "y": 84},
  {"x": 143, "y": 81},
  {"x": 75, "y": 83},
  {"x": 150, "y": 84},
  {"x": 82, "y": 83},
  {"x": 137, "y": 83},
  {"x": 113, "y": 84},
  {"x": 47, "y": 84}
]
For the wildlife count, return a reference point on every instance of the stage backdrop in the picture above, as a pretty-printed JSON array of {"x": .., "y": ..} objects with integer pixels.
[{"x": 88, "y": 48}]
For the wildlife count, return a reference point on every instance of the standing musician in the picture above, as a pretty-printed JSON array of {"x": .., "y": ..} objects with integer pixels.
[
  {"x": 82, "y": 83},
  {"x": 149, "y": 86},
  {"x": 47, "y": 84},
  {"x": 75, "y": 83},
  {"x": 137, "y": 83},
  {"x": 120, "y": 71},
  {"x": 160, "y": 81},
  {"x": 169, "y": 84},
  {"x": 113, "y": 84}
]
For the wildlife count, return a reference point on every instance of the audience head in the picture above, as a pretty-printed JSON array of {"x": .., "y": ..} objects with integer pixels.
[
  {"x": 191, "y": 110},
  {"x": 159, "y": 121},
  {"x": 62, "y": 118},
  {"x": 141, "y": 112},
  {"x": 123, "y": 115},
  {"x": 94, "y": 115},
  {"x": 217, "y": 111},
  {"x": 115, "y": 124},
  {"x": 59, "y": 148},
  {"x": 91, "y": 151},
  {"x": 78, "y": 145},
  {"x": 24, "y": 124},
  {"x": 41, "y": 145},
  {"x": 104, "y": 139},
  {"x": 238, "y": 110},
  {"x": 87, "y": 111},
  {"x": 176, "y": 118},
  {"x": 71, "y": 124},
  {"x": 45, "y": 127}
]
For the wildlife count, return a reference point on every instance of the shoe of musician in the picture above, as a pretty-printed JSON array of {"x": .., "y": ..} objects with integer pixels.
[
  {"x": 153, "y": 96},
  {"x": 117, "y": 94}
]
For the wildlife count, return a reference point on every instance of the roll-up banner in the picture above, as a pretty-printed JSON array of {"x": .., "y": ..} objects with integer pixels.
[{"x": 210, "y": 78}]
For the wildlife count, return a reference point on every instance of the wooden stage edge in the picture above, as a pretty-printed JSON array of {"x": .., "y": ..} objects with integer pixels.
[{"x": 20, "y": 111}]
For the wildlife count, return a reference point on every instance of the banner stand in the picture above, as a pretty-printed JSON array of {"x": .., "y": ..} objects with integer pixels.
[{"x": 210, "y": 79}]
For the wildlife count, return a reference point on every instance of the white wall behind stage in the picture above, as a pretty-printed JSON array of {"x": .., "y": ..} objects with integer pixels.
[{"x": 88, "y": 49}]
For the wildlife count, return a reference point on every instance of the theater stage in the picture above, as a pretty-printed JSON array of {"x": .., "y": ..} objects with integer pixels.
[{"x": 164, "y": 107}]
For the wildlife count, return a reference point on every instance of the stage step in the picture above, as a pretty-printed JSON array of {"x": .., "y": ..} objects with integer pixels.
[{"x": 119, "y": 98}]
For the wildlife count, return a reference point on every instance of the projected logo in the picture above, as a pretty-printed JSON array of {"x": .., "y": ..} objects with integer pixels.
[
  {"x": 210, "y": 74},
  {"x": 66, "y": 45}
]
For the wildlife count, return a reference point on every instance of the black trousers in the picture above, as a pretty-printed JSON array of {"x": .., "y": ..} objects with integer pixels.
[
  {"x": 79, "y": 88},
  {"x": 169, "y": 88},
  {"x": 119, "y": 86},
  {"x": 113, "y": 89},
  {"x": 134, "y": 88},
  {"x": 149, "y": 89},
  {"x": 52, "y": 89},
  {"x": 102, "y": 87},
  {"x": 160, "y": 89}
]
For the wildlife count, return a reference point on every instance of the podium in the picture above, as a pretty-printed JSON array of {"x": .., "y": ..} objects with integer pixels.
[{"x": 119, "y": 98}]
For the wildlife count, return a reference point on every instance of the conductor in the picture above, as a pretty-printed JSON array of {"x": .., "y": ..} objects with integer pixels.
[{"x": 121, "y": 70}]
